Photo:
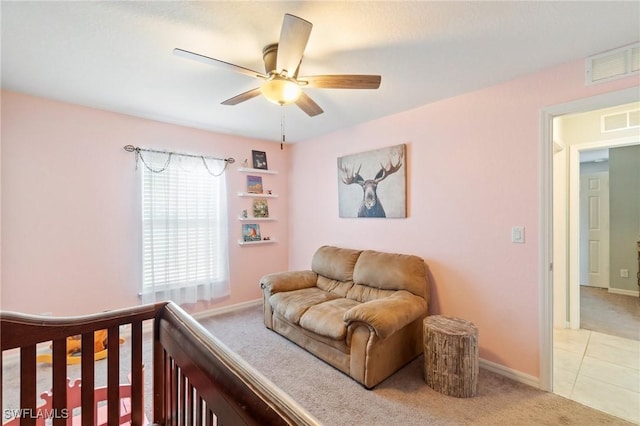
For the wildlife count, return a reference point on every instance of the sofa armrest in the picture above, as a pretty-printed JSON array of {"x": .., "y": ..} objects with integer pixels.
[
  {"x": 389, "y": 314},
  {"x": 288, "y": 281}
]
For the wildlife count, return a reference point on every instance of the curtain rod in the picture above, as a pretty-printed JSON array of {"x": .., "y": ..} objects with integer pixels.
[{"x": 131, "y": 148}]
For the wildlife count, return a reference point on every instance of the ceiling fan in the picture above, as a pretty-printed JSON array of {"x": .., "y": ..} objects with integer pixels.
[{"x": 281, "y": 83}]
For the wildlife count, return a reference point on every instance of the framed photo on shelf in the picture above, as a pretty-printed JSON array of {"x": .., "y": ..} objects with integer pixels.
[
  {"x": 251, "y": 232},
  {"x": 260, "y": 208},
  {"x": 254, "y": 184},
  {"x": 259, "y": 159}
]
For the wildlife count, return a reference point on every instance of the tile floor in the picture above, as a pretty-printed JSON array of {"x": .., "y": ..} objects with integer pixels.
[{"x": 598, "y": 370}]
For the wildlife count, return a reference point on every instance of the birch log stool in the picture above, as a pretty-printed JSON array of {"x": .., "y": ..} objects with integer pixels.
[{"x": 450, "y": 355}]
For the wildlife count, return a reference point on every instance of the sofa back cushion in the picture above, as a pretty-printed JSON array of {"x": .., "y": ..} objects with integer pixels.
[
  {"x": 365, "y": 293},
  {"x": 335, "y": 263},
  {"x": 390, "y": 271},
  {"x": 340, "y": 288}
]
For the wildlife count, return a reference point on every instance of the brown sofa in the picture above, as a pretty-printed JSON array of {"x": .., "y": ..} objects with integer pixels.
[{"x": 359, "y": 311}]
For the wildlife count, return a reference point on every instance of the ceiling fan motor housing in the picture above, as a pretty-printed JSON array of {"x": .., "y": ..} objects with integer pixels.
[{"x": 269, "y": 55}]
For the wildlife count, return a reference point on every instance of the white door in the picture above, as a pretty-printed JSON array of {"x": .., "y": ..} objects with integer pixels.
[{"x": 594, "y": 229}]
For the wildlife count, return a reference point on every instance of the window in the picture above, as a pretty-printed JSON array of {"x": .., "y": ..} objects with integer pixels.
[{"x": 184, "y": 228}]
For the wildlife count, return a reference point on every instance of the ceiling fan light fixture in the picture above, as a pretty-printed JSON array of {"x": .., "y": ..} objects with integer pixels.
[
  {"x": 280, "y": 83},
  {"x": 280, "y": 90}
]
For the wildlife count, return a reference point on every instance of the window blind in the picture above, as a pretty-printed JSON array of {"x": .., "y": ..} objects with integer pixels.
[{"x": 184, "y": 223}]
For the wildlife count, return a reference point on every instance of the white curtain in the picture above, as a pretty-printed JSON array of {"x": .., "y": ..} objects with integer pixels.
[{"x": 184, "y": 228}]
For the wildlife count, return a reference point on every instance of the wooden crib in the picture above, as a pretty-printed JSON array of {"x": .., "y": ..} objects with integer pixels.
[{"x": 196, "y": 380}]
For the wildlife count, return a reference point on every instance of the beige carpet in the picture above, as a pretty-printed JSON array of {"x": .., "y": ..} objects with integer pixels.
[
  {"x": 403, "y": 399},
  {"x": 608, "y": 313}
]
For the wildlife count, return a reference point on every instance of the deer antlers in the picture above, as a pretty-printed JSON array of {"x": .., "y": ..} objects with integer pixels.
[
  {"x": 348, "y": 177},
  {"x": 390, "y": 169}
]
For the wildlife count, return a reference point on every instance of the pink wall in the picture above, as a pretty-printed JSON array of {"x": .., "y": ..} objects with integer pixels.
[
  {"x": 70, "y": 233},
  {"x": 472, "y": 174},
  {"x": 70, "y": 219}
]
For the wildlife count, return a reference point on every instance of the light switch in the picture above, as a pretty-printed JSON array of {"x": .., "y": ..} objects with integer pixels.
[{"x": 517, "y": 234}]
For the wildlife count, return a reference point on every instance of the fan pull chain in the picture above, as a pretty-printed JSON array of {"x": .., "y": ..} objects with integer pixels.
[{"x": 282, "y": 137}]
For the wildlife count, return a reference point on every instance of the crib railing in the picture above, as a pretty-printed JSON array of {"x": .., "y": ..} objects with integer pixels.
[{"x": 196, "y": 379}]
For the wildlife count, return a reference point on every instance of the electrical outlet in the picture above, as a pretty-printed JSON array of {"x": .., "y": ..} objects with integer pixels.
[
  {"x": 624, "y": 273},
  {"x": 517, "y": 234}
]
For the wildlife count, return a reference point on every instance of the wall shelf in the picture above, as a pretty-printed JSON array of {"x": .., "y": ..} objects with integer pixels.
[
  {"x": 252, "y": 195},
  {"x": 253, "y": 222},
  {"x": 251, "y": 243},
  {"x": 262, "y": 171}
]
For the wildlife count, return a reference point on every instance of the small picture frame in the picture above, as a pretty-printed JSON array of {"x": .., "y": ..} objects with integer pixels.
[
  {"x": 254, "y": 184},
  {"x": 251, "y": 232},
  {"x": 259, "y": 159},
  {"x": 260, "y": 208}
]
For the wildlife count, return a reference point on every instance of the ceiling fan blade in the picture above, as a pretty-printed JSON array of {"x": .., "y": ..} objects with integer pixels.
[
  {"x": 218, "y": 63},
  {"x": 243, "y": 97},
  {"x": 293, "y": 40},
  {"x": 308, "y": 105},
  {"x": 347, "y": 81}
]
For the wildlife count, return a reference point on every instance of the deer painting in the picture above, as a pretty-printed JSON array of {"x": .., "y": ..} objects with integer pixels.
[{"x": 390, "y": 162}]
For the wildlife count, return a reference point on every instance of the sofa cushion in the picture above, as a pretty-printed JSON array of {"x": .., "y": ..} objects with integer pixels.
[
  {"x": 335, "y": 263},
  {"x": 390, "y": 271},
  {"x": 340, "y": 288},
  {"x": 326, "y": 319},
  {"x": 293, "y": 304},
  {"x": 364, "y": 293}
]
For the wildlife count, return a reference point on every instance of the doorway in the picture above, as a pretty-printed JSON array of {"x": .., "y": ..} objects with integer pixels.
[
  {"x": 560, "y": 265},
  {"x": 589, "y": 225}
]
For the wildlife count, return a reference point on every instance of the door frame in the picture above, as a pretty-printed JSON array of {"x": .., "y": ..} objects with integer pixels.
[{"x": 545, "y": 214}]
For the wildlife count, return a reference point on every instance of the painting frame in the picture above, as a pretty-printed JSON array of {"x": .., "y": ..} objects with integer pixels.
[
  {"x": 251, "y": 232},
  {"x": 254, "y": 184},
  {"x": 373, "y": 184},
  {"x": 259, "y": 160},
  {"x": 260, "y": 208}
]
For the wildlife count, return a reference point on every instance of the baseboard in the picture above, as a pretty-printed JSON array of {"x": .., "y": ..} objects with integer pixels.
[
  {"x": 633, "y": 293},
  {"x": 223, "y": 310},
  {"x": 510, "y": 373}
]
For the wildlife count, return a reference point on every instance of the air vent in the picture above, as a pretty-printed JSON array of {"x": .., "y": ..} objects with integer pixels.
[
  {"x": 620, "y": 121},
  {"x": 613, "y": 64}
]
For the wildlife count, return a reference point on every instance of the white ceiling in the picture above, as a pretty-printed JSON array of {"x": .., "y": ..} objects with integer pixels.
[{"x": 117, "y": 55}]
